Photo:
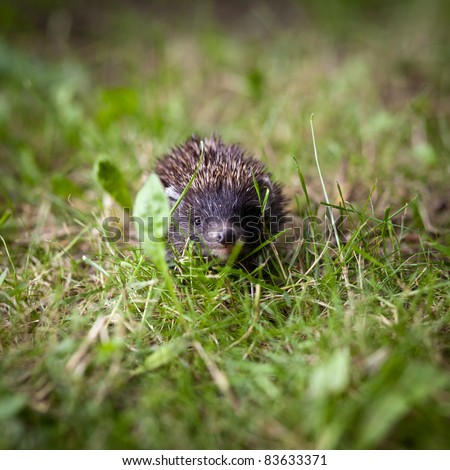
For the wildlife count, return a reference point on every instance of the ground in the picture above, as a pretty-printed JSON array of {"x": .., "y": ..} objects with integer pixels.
[{"x": 102, "y": 346}]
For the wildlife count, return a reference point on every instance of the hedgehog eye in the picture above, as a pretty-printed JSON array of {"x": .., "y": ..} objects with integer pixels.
[{"x": 197, "y": 221}]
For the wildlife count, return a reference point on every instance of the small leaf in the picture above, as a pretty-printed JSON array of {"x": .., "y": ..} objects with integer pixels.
[
  {"x": 152, "y": 215},
  {"x": 111, "y": 180},
  {"x": 151, "y": 205}
]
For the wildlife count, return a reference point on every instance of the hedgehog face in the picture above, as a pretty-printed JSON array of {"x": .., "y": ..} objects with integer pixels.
[
  {"x": 219, "y": 220},
  {"x": 222, "y": 208}
]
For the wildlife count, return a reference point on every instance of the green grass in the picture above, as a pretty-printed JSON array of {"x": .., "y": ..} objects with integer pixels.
[{"x": 348, "y": 348}]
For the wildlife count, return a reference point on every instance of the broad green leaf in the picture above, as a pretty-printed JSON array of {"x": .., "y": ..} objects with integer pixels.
[
  {"x": 151, "y": 215},
  {"x": 112, "y": 181}
]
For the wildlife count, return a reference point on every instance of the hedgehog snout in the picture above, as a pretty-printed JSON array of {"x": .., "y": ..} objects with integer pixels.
[
  {"x": 221, "y": 233},
  {"x": 227, "y": 236}
]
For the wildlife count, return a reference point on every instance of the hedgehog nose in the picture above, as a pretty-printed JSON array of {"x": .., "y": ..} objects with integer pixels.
[{"x": 227, "y": 236}]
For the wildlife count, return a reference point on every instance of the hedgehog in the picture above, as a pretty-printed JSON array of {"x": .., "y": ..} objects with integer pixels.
[{"x": 232, "y": 200}]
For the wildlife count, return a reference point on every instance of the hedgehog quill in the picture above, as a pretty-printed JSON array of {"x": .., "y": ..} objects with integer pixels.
[{"x": 232, "y": 200}]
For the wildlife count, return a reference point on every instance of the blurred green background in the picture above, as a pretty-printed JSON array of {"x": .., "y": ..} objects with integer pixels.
[{"x": 130, "y": 79}]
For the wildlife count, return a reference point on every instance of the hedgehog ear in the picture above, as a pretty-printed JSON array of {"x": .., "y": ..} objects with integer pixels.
[{"x": 172, "y": 195}]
